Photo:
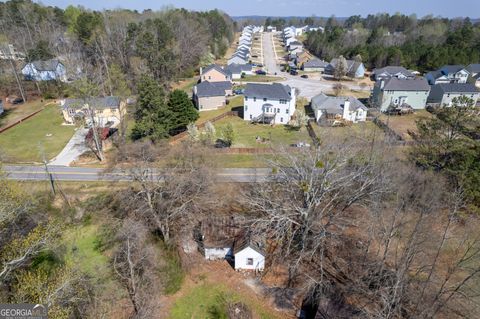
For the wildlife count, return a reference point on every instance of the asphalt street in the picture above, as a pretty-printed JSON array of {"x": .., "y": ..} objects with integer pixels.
[{"x": 85, "y": 174}]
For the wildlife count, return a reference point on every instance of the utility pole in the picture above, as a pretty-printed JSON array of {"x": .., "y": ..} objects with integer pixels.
[{"x": 22, "y": 92}]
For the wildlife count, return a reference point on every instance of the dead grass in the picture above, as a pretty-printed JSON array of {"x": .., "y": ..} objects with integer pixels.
[{"x": 402, "y": 124}]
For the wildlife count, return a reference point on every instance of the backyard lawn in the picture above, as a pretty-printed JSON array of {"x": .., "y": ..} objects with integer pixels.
[
  {"x": 364, "y": 131},
  {"x": 16, "y": 112},
  {"x": 40, "y": 134},
  {"x": 246, "y": 133},
  {"x": 235, "y": 103},
  {"x": 402, "y": 124}
]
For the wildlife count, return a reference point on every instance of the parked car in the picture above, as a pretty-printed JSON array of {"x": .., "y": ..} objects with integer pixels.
[
  {"x": 304, "y": 76},
  {"x": 260, "y": 72},
  {"x": 293, "y": 72},
  {"x": 238, "y": 91}
]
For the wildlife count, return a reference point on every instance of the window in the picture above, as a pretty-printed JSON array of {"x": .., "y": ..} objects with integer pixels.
[
  {"x": 246, "y": 98},
  {"x": 249, "y": 261},
  {"x": 246, "y": 107},
  {"x": 281, "y": 120},
  {"x": 283, "y": 101},
  {"x": 254, "y": 99},
  {"x": 264, "y": 99},
  {"x": 278, "y": 110},
  {"x": 250, "y": 116},
  {"x": 209, "y": 77},
  {"x": 287, "y": 110}
]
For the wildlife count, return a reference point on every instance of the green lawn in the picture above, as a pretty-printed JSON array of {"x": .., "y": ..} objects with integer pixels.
[
  {"x": 261, "y": 78},
  {"x": 235, "y": 102},
  {"x": 206, "y": 301},
  {"x": 17, "y": 112},
  {"x": 28, "y": 141},
  {"x": 246, "y": 133}
]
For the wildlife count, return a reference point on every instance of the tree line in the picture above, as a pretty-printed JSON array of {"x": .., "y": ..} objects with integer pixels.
[
  {"x": 422, "y": 44},
  {"x": 167, "y": 44}
]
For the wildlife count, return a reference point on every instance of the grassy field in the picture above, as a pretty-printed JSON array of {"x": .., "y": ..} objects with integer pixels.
[
  {"x": 16, "y": 112},
  {"x": 43, "y": 133},
  {"x": 206, "y": 301},
  {"x": 235, "y": 102},
  {"x": 246, "y": 133}
]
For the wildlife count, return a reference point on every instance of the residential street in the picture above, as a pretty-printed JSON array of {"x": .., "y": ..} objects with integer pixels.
[
  {"x": 84, "y": 174},
  {"x": 308, "y": 87}
]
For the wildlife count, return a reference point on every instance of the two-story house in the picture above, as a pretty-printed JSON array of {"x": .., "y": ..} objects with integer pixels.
[
  {"x": 45, "y": 71},
  {"x": 105, "y": 111},
  {"x": 214, "y": 73},
  {"x": 269, "y": 103},
  {"x": 211, "y": 95},
  {"x": 448, "y": 74},
  {"x": 400, "y": 93},
  {"x": 443, "y": 94}
]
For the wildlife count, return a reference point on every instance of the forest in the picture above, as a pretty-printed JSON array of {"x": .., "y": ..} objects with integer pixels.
[{"x": 422, "y": 44}]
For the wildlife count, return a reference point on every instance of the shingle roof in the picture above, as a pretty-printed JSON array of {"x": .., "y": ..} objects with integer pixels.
[
  {"x": 393, "y": 70},
  {"x": 335, "y": 104},
  {"x": 206, "y": 89},
  {"x": 269, "y": 91},
  {"x": 238, "y": 68},
  {"x": 456, "y": 87},
  {"x": 97, "y": 102},
  {"x": 352, "y": 65},
  {"x": 295, "y": 43},
  {"x": 447, "y": 69},
  {"x": 474, "y": 68},
  {"x": 315, "y": 63},
  {"x": 214, "y": 67},
  {"x": 48, "y": 65},
  {"x": 418, "y": 84},
  {"x": 435, "y": 74}
]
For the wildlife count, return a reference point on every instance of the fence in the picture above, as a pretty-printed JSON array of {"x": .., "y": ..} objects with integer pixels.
[{"x": 3, "y": 129}]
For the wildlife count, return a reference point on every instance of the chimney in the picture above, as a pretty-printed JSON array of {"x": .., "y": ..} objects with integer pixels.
[
  {"x": 382, "y": 84},
  {"x": 201, "y": 69},
  {"x": 346, "y": 110}
]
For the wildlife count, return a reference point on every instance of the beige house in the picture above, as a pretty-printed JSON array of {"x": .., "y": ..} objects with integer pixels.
[
  {"x": 214, "y": 73},
  {"x": 107, "y": 111},
  {"x": 211, "y": 95}
]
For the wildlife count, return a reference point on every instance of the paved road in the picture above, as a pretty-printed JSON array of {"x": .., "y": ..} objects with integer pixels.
[
  {"x": 268, "y": 54},
  {"x": 84, "y": 174},
  {"x": 308, "y": 87}
]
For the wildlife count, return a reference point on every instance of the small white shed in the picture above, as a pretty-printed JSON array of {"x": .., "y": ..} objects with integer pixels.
[{"x": 249, "y": 257}]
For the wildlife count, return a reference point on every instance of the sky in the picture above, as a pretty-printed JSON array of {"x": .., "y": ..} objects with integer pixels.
[{"x": 321, "y": 8}]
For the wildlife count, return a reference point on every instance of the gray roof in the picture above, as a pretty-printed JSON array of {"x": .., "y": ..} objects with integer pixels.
[
  {"x": 48, "y": 65},
  {"x": 418, "y": 84},
  {"x": 206, "y": 89},
  {"x": 238, "y": 68},
  {"x": 473, "y": 68},
  {"x": 269, "y": 91},
  {"x": 108, "y": 102},
  {"x": 352, "y": 65},
  {"x": 448, "y": 69},
  {"x": 335, "y": 104},
  {"x": 393, "y": 70},
  {"x": 315, "y": 63},
  {"x": 456, "y": 87},
  {"x": 296, "y": 43},
  {"x": 435, "y": 74},
  {"x": 214, "y": 67}
]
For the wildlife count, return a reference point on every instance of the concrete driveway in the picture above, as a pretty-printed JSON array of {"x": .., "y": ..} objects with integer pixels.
[{"x": 74, "y": 148}]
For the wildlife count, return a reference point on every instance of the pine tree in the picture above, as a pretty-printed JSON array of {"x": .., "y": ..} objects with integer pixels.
[{"x": 181, "y": 111}]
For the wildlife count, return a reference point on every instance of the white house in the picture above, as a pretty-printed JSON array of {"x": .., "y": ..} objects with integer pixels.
[
  {"x": 448, "y": 74},
  {"x": 269, "y": 103},
  {"x": 346, "y": 108},
  {"x": 249, "y": 256},
  {"x": 236, "y": 70},
  {"x": 45, "y": 71}
]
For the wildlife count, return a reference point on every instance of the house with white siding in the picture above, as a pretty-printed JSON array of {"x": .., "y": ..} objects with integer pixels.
[
  {"x": 49, "y": 70},
  {"x": 338, "y": 108},
  {"x": 448, "y": 74},
  {"x": 444, "y": 93},
  {"x": 269, "y": 103}
]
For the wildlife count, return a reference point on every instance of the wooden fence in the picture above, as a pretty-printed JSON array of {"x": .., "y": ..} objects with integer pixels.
[{"x": 3, "y": 129}]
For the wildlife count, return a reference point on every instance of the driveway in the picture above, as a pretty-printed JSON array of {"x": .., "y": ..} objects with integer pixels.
[{"x": 74, "y": 148}]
